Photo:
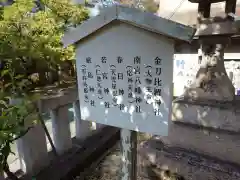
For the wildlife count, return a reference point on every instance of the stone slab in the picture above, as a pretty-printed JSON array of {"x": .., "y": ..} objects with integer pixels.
[
  {"x": 216, "y": 28},
  {"x": 207, "y": 116},
  {"x": 220, "y": 144},
  {"x": 62, "y": 98},
  {"x": 198, "y": 1},
  {"x": 190, "y": 165}
]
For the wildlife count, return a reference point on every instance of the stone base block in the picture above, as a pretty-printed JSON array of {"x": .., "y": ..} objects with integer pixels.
[
  {"x": 188, "y": 164},
  {"x": 224, "y": 117},
  {"x": 203, "y": 142},
  {"x": 220, "y": 144}
]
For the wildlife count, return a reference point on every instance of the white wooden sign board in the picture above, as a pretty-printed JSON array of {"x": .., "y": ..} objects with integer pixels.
[
  {"x": 125, "y": 69},
  {"x": 125, "y": 79}
]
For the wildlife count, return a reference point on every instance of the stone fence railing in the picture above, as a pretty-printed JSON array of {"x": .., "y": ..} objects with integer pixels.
[{"x": 32, "y": 150}]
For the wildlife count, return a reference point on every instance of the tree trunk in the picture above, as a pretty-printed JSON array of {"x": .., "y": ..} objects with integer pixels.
[
  {"x": 55, "y": 75},
  {"x": 71, "y": 69},
  {"x": 42, "y": 78}
]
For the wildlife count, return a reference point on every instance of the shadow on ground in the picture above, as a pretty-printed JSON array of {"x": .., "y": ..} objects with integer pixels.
[{"x": 110, "y": 167}]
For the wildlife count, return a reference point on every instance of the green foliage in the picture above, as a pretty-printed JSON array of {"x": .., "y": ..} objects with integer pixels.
[
  {"x": 147, "y": 5},
  {"x": 31, "y": 41},
  {"x": 38, "y": 35},
  {"x": 12, "y": 125},
  {"x": 28, "y": 41},
  {"x": 16, "y": 85},
  {"x": 150, "y": 5},
  {"x": 16, "y": 118}
]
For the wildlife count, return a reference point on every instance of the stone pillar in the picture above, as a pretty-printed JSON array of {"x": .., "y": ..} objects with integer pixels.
[
  {"x": 83, "y": 128},
  {"x": 204, "y": 8},
  {"x": 230, "y": 8},
  {"x": 2, "y": 176},
  {"x": 32, "y": 150},
  {"x": 32, "y": 147},
  {"x": 61, "y": 129}
]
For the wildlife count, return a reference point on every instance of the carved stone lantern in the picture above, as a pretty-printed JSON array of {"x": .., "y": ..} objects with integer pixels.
[
  {"x": 208, "y": 1},
  {"x": 205, "y": 6},
  {"x": 212, "y": 82}
]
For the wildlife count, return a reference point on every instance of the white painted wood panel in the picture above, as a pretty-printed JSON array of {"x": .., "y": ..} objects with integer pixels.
[{"x": 127, "y": 42}]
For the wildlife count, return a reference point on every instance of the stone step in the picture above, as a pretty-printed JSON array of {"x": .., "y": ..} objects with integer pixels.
[
  {"x": 191, "y": 165},
  {"x": 223, "y": 145}
]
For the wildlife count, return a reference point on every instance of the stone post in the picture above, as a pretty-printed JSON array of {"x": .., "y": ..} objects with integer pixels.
[
  {"x": 32, "y": 150},
  {"x": 83, "y": 128},
  {"x": 2, "y": 176},
  {"x": 61, "y": 130},
  {"x": 32, "y": 147}
]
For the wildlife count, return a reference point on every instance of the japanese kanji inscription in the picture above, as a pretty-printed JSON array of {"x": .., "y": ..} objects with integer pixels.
[
  {"x": 127, "y": 82},
  {"x": 136, "y": 89}
]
